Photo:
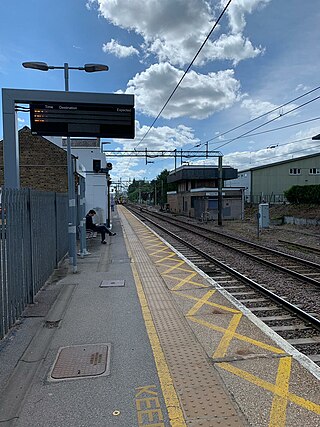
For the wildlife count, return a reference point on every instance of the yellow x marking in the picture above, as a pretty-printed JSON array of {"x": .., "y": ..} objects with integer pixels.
[
  {"x": 212, "y": 304},
  {"x": 179, "y": 268},
  {"x": 228, "y": 335},
  {"x": 201, "y": 302},
  {"x": 280, "y": 391},
  {"x": 279, "y": 404},
  {"x": 160, "y": 252},
  {"x": 238, "y": 336},
  {"x": 156, "y": 245},
  {"x": 190, "y": 282},
  {"x": 172, "y": 254},
  {"x": 186, "y": 280}
]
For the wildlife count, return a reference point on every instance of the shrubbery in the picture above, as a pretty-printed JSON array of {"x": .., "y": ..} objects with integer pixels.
[{"x": 307, "y": 194}]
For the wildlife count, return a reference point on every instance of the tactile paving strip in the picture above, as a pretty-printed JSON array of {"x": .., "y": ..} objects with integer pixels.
[
  {"x": 201, "y": 392},
  {"x": 81, "y": 361}
]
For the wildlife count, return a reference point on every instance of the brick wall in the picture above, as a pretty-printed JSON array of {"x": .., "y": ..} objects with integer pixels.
[{"x": 43, "y": 165}]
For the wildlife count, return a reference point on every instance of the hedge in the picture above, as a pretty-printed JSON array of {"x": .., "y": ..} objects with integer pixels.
[{"x": 303, "y": 194}]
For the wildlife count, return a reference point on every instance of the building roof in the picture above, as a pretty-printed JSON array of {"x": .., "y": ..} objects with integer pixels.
[
  {"x": 201, "y": 172},
  {"x": 269, "y": 165},
  {"x": 82, "y": 142}
]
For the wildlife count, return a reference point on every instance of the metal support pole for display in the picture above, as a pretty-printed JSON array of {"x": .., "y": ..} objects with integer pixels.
[
  {"x": 71, "y": 192},
  {"x": 220, "y": 190},
  {"x": 108, "y": 200},
  {"x": 82, "y": 215}
]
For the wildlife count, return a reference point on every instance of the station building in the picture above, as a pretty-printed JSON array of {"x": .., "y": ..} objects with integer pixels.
[{"x": 197, "y": 193}]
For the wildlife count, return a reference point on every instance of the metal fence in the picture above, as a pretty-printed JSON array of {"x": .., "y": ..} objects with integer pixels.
[
  {"x": 266, "y": 198},
  {"x": 33, "y": 239}
]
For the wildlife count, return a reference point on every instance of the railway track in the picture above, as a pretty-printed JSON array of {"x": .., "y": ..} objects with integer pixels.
[
  {"x": 304, "y": 270},
  {"x": 300, "y": 328}
]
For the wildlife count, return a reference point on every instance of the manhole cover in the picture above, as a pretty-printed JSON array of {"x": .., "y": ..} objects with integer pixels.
[
  {"x": 81, "y": 361},
  {"x": 111, "y": 283}
]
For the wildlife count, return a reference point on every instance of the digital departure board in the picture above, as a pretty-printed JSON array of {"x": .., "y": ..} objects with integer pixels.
[{"x": 72, "y": 119}]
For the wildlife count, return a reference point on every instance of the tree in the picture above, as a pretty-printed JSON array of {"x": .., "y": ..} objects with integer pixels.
[{"x": 156, "y": 190}]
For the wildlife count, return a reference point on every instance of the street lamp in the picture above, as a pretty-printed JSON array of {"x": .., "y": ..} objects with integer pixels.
[{"x": 89, "y": 68}]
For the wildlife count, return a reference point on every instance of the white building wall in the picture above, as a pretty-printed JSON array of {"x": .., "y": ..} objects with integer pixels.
[
  {"x": 96, "y": 183},
  {"x": 243, "y": 180}
]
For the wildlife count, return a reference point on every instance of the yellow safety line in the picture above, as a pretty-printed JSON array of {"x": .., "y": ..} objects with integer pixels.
[
  {"x": 222, "y": 348},
  {"x": 306, "y": 404},
  {"x": 210, "y": 303},
  {"x": 200, "y": 303},
  {"x": 279, "y": 404},
  {"x": 238, "y": 336},
  {"x": 169, "y": 393}
]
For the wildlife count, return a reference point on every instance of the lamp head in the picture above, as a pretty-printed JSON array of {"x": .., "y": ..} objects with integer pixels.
[
  {"x": 91, "y": 68},
  {"x": 42, "y": 66}
]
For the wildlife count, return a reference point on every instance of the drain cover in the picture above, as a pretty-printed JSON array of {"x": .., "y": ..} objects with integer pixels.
[
  {"x": 111, "y": 283},
  {"x": 81, "y": 361}
]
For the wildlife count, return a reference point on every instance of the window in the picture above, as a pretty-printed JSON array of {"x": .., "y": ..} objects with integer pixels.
[
  {"x": 295, "y": 171},
  {"x": 314, "y": 171},
  {"x": 96, "y": 165}
]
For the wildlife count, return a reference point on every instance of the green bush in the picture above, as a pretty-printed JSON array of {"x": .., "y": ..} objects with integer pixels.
[{"x": 303, "y": 194}]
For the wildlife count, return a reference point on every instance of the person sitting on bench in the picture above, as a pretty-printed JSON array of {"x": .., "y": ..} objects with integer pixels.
[{"x": 102, "y": 229}]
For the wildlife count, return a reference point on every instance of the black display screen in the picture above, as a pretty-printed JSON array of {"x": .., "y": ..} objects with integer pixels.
[{"x": 72, "y": 119}]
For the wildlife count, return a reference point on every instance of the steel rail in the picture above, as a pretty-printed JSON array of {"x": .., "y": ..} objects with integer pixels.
[
  {"x": 253, "y": 245},
  {"x": 305, "y": 317}
]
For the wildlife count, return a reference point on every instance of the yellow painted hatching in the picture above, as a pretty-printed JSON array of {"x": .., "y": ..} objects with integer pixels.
[{"x": 280, "y": 390}]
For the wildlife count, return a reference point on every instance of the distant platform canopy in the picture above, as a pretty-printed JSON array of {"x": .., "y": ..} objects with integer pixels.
[{"x": 200, "y": 172}]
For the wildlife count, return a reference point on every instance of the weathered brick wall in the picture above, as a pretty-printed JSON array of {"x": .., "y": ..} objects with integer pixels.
[{"x": 43, "y": 165}]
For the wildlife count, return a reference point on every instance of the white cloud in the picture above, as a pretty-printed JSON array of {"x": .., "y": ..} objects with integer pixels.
[
  {"x": 257, "y": 108},
  {"x": 198, "y": 96},
  {"x": 302, "y": 88},
  {"x": 233, "y": 47},
  {"x": 119, "y": 50},
  {"x": 162, "y": 138},
  {"x": 177, "y": 40},
  {"x": 237, "y": 11}
]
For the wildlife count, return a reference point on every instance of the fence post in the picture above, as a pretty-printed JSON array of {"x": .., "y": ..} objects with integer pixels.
[
  {"x": 31, "y": 287},
  {"x": 56, "y": 227}
]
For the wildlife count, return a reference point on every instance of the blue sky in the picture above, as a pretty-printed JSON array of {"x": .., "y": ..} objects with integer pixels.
[{"x": 263, "y": 54}]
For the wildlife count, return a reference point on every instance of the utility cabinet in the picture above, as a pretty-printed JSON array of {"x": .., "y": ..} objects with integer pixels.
[{"x": 264, "y": 215}]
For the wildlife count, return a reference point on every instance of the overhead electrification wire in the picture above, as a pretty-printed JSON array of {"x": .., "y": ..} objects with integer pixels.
[
  {"x": 275, "y": 129},
  {"x": 186, "y": 71},
  {"x": 286, "y": 154},
  {"x": 266, "y": 123},
  {"x": 262, "y": 115}
]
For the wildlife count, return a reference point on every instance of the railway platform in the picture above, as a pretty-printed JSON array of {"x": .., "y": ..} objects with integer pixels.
[{"x": 142, "y": 337}]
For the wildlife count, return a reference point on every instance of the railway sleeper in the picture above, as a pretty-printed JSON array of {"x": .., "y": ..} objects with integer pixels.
[{"x": 298, "y": 326}]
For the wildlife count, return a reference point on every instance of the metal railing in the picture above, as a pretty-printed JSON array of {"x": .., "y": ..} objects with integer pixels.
[
  {"x": 33, "y": 239},
  {"x": 266, "y": 198}
]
